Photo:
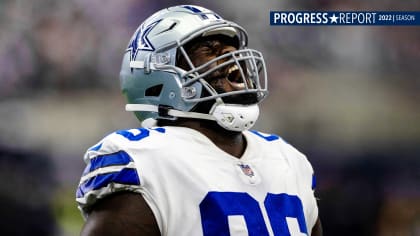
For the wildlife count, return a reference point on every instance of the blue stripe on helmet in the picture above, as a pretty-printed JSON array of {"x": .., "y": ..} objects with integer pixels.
[
  {"x": 193, "y": 9},
  {"x": 196, "y": 10}
]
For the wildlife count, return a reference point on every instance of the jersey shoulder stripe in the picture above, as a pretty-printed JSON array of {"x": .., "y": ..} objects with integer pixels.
[
  {"x": 105, "y": 170},
  {"x": 106, "y": 174},
  {"x": 110, "y": 167},
  {"x": 101, "y": 161},
  {"x": 126, "y": 176}
]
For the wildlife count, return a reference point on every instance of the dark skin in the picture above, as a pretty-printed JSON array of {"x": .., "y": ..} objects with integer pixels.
[{"x": 127, "y": 213}]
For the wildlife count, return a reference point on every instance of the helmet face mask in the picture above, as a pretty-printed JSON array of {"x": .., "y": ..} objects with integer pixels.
[
  {"x": 151, "y": 72},
  {"x": 239, "y": 68}
]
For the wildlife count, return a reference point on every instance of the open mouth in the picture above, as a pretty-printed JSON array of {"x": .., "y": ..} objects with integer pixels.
[{"x": 234, "y": 78}]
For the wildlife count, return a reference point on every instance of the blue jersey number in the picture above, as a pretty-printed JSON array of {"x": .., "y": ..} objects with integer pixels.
[
  {"x": 217, "y": 206},
  {"x": 141, "y": 133}
]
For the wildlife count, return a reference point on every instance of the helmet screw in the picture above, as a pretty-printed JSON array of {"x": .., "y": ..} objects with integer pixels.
[{"x": 172, "y": 95}]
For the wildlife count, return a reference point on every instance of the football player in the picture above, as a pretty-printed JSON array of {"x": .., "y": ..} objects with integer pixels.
[{"x": 195, "y": 167}]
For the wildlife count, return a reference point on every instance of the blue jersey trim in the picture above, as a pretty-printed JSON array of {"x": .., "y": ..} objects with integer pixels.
[
  {"x": 113, "y": 159},
  {"x": 159, "y": 129},
  {"x": 270, "y": 137},
  {"x": 126, "y": 176},
  {"x": 96, "y": 148},
  {"x": 313, "y": 182}
]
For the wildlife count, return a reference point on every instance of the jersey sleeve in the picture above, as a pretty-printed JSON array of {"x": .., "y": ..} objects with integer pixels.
[{"x": 109, "y": 169}]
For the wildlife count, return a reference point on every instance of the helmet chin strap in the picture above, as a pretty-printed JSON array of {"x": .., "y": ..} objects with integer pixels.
[
  {"x": 235, "y": 117},
  {"x": 232, "y": 117}
]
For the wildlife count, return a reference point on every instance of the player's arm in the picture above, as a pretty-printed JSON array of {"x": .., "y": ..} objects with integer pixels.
[
  {"x": 317, "y": 229},
  {"x": 121, "y": 214}
]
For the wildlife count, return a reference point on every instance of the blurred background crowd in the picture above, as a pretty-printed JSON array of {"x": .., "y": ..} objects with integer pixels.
[{"x": 348, "y": 97}]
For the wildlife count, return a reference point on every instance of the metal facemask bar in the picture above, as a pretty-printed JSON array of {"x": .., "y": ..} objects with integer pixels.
[{"x": 249, "y": 63}]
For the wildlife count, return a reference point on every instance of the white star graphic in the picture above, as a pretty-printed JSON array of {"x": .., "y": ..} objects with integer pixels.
[{"x": 333, "y": 19}]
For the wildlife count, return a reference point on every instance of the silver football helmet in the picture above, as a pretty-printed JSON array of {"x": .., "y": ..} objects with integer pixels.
[{"x": 157, "y": 88}]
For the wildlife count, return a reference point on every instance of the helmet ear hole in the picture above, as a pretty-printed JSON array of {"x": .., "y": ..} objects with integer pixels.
[{"x": 154, "y": 91}]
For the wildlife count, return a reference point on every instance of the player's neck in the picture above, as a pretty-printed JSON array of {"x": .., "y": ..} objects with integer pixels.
[{"x": 233, "y": 143}]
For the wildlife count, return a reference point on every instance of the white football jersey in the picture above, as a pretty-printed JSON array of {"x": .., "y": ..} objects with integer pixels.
[{"x": 194, "y": 188}]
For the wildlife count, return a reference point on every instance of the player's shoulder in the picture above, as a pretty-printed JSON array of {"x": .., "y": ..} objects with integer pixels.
[
  {"x": 274, "y": 144},
  {"x": 274, "y": 141},
  {"x": 110, "y": 165},
  {"x": 264, "y": 139},
  {"x": 123, "y": 139}
]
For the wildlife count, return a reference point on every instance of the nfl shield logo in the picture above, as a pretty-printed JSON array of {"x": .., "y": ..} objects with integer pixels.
[{"x": 246, "y": 169}]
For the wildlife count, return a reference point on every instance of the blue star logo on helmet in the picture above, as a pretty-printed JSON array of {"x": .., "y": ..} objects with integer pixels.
[{"x": 140, "y": 40}]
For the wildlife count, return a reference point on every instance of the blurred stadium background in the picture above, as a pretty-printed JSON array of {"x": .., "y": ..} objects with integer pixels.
[{"x": 348, "y": 97}]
